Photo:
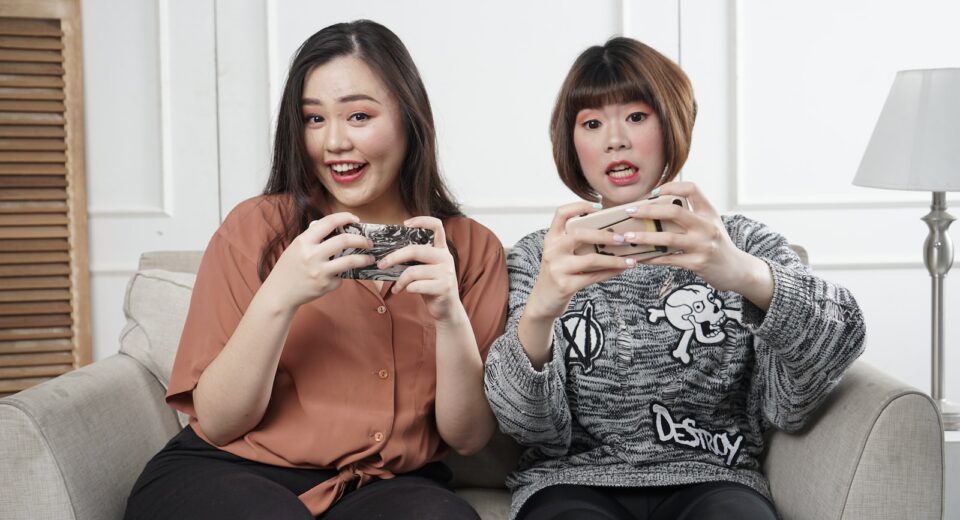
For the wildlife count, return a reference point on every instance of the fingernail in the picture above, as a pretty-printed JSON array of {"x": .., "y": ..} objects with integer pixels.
[
  {"x": 655, "y": 192},
  {"x": 617, "y": 237},
  {"x": 629, "y": 235},
  {"x": 631, "y": 262},
  {"x": 631, "y": 210},
  {"x": 597, "y": 205}
]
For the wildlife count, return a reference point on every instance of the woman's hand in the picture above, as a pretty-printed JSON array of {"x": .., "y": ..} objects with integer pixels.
[
  {"x": 305, "y": 270},
  {"x": 706, "y": 248},
  {"x": 434, "y": 278},
  {"x": 562, "y": 272}
]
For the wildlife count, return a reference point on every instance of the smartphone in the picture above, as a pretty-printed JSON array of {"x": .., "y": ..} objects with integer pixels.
[
  {"x": 386, "y": 239},
  {"x": 617, "y": 220}
]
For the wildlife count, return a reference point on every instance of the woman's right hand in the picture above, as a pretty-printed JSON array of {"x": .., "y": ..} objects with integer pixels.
[
  {"x": 305, "y": 270},
  {"x": 562, "y": 272}
]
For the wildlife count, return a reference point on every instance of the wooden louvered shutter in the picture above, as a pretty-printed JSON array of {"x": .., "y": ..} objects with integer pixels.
[{"x": 44, "y": 280}]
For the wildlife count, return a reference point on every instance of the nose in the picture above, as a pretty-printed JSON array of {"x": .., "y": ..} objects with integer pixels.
[
  {"x": 616, "y": 138},
  {"x": 336, "y": 139}
]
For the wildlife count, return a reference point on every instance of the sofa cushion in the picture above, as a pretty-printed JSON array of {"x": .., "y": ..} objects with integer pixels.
[{"x": 155, "y": 306}]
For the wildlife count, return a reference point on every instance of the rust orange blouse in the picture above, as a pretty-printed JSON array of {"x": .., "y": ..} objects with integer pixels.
[{"x": 355, "y": 387}]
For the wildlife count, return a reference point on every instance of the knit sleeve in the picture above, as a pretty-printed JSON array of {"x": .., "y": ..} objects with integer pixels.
[
  {"x": 810, "y": 335},
  {"x": 530, "y": 405}
]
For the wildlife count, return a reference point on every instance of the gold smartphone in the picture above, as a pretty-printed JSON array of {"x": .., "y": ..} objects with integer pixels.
[{"x": 617, "y": 220}]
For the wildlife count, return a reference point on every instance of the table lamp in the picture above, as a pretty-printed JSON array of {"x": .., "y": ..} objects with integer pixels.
[{"x": 916, "y": 146}]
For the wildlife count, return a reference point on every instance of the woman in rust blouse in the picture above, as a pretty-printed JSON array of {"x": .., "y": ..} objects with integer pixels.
[{"x": 310, "y": 394}]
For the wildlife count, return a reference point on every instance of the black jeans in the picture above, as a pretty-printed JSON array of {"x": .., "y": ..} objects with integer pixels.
[
  {"x": 190, "y": 479},
  {"x": 707, "y": 501}
]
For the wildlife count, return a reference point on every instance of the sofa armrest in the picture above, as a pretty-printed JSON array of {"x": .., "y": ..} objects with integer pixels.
[
  {"x": 73, "y": 446},
  {"x": 874, "y": 450}
]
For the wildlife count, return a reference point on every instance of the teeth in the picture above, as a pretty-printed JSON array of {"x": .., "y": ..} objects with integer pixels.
[
  {"x": 621, "y": 171},
  {"x": 345, "y": 167}
]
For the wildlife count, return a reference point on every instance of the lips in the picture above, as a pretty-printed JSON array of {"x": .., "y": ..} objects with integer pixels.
[
  {"x": 622, "y": 173},
  {"x": 347, "y": 172}
]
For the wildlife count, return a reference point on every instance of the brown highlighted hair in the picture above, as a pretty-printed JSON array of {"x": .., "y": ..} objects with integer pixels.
[
  {"x": 623, "y": 70},
  {"x": 422, "y": 189}
]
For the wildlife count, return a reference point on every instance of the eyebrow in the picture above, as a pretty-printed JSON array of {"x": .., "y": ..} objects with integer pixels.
[{"x": 344, "y": 99}]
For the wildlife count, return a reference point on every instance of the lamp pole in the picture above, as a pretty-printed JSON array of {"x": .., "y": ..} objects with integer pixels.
[{"x": 938, "y": 257}]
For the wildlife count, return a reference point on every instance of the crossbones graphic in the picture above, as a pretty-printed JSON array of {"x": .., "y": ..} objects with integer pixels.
[{"x": 698, "y": 311}]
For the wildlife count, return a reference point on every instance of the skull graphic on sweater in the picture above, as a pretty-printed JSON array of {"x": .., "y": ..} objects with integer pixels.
[{"x": 698, "y": 311}]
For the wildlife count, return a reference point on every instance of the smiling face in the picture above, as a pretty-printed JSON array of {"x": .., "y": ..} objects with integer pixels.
[
  {"x": 620, "y": 149},
  {"x": 355, "y": 139}
]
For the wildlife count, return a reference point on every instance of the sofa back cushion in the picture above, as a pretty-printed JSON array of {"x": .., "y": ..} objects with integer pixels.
[{"x": 155, "y": 306}]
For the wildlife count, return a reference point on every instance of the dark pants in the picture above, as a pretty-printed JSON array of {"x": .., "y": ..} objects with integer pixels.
[
  {"x": 190, "y": 479},
  {"x": 707, "y": 501}
]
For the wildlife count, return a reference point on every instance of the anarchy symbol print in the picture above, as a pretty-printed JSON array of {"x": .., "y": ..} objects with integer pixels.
[{"x": 583, "y": 335}]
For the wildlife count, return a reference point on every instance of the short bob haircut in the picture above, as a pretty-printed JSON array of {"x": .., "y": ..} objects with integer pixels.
[{"x": 623, "y": 70}]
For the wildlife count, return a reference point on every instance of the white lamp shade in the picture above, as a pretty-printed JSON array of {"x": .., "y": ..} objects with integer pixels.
[{"x": 916, "y": 143}]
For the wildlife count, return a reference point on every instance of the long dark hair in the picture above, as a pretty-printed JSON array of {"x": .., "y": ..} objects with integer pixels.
[{"x": 422, "y": 189}]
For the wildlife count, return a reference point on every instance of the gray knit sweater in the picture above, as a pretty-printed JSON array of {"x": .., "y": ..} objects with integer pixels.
[{"x": 658, "y": 379}]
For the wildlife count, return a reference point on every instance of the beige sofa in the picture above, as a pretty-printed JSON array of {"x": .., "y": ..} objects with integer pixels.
[{"x": 71, "y": 448}]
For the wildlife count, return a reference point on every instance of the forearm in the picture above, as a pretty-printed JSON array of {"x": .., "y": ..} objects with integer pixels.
[
  {"x": 233, "y": 392},
  {"x": 535, "y": 329},
  {"x": 464, "y": 419},
  {"x": 757, "y": 284}
]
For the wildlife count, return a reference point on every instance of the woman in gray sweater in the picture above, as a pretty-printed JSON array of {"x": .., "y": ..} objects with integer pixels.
[{"x": 643, "y": 389}]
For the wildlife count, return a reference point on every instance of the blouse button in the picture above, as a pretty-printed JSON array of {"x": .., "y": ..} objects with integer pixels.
[
  {"x": 383, "y": 373},
  {"x": 378, "y": 436},
  {"x": 381, "y": 309}
]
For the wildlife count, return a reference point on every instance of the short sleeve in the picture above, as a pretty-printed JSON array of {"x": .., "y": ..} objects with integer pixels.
[
  {"x": 226, "y": 283},
  {"x": 483, "y": 281}
]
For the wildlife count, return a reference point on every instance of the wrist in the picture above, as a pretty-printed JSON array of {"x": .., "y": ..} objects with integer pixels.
[
  {"x": 757, "y": 285},
  {"x": 272, "y": 301},
  {"x": 455, "y": 319},
  {"x": 539, "y": 309}
]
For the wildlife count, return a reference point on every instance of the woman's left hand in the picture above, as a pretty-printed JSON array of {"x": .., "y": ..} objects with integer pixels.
[
  {"x": 435, "y": 277},
  {"x": 706, "y": 248}
]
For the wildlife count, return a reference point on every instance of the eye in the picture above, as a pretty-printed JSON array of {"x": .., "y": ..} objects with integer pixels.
[
  {"x": 313, "y": 119},
  {"x": 591, "y": 124},
  {"x": 359, "y": 116},
  {"x": 636, "y": 117},
  {"x": 698, "y": 306},
  {"x": 711, "y": 297}
]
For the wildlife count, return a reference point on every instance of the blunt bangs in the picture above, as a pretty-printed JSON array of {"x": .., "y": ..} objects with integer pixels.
[{"x": 603, "y": 84}]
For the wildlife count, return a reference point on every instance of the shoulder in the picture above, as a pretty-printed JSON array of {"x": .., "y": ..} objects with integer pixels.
[
  {"x": 470, "y": 236},
  {"x": 529, "y": 246},
  {"x": 252, "y": 223},
  {"x": 753, "y": 236}
]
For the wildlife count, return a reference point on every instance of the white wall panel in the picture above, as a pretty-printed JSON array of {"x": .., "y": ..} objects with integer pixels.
[
  {"x": 180, "y": 120},
  {"x": 243, "y": 104},
  {"x": 122, "y": 83},
  {"x": 788, "y": 96},
  {"x": 152, "y": 150},
  {"x": 825, "y": 68}
]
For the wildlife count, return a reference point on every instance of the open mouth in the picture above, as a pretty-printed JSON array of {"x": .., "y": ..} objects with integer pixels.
[
  {"x": 710, "y": 330},
  {"x": 622, "y": 172},
  {"x": 347, "y": 172}
]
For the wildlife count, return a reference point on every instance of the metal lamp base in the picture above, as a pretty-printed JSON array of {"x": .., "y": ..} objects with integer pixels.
[{"x": 938, "y": 257}]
